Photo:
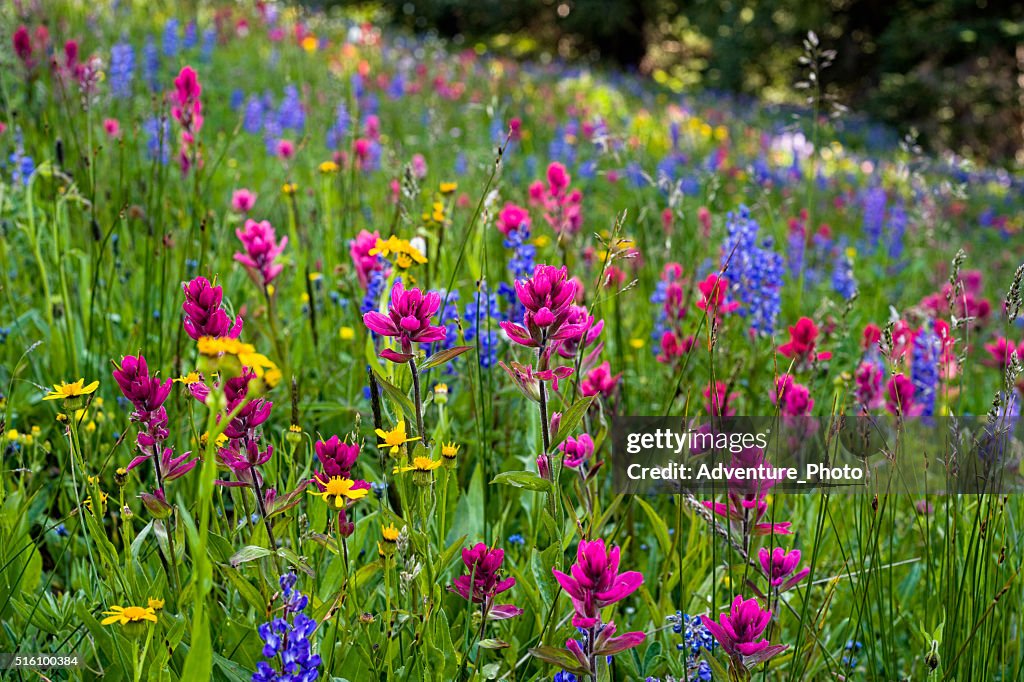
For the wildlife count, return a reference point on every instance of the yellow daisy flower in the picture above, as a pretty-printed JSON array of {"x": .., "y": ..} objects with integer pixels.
[
  {"x": 65, "y": 391},
  {"x": 337, "y": 490},
  {"x": 395, "y": 438},
  {"x": 129, "y": 614},
  {"x": 328, "y": 167},
  {"x": 448, "y": 187},
  {"x": 155, "y": 604},
  {"x": 450, "y": 450},
  {"x": 419, "y": 464}
]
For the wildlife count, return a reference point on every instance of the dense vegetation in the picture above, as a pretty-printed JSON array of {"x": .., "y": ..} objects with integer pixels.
[{"x": 312, "y": 337}]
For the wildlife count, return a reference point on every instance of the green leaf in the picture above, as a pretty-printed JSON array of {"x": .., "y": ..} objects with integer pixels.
[
  {"x": 449, "y": 554},
  {"x": 199, "y": 662},
  {"x": 523, "y": 479},
  {"x": 657, "y": 525},
  {"x": 442, "y": 357},
  {"x": 468, "y": 521},
  {"x": 249, "y": 553},
  {"x": 245, "y": 588},
  {"x": 296, "y": 561},
  {"x": 571, "y": 419},
  {"x": 541, "y": 563},
  {"x": 398, "y": 396},
  {"x": 559, "y": 657},
  {"x": 492, "y": 644}
]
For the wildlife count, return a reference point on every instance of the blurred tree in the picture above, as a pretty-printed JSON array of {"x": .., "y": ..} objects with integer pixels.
[{"x": 947, "y": 67}]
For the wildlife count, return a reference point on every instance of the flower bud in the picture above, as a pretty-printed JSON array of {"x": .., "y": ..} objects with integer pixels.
[
  {"x": 544, "y": 467},
  {"x": 156, "y": 504}
]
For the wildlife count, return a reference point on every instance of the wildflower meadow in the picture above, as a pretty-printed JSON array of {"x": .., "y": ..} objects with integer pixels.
[{"x": 318, "y": 339}]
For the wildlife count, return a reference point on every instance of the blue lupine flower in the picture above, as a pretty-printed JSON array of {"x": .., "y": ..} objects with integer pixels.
[
  {"x": 635, "y": 174},
  {"x": 695, "y": 637},
  {"x": 157, "y": 139},
  {"x": 564, "y": 677},
  {"x": 521, "y": 262},
  {"x": 122, "y": 70},
  {"x": 22, "y": 165},
  {"x": 795, "y": 253},
  {"x": 170, "y": 38},
  {"x": 449, "y": 318},
  {"x": 843, "y": 280},
  {"x": 151, "y": 64},
  {"x": 852, "y": 647},
  {"x": 874, "y": 216},
  {"x": 461, "y": 164},
  {"x": 924, "y": 372},
  {"x": 396, "y": 88},
  {"x": 287, "y": 643},
  {"x": 482, "y": 315},
  {"x": 209, "y": 42},
  {"x": 516, "y": 539},
  {"x": 374, "y": 288},
  {"x": 588, "y": 169},
  {"x": 191, "y": 36},
  {"x": 252, "y": 120},
  {"x": 337, "y": 132},
  {"x": 897, "y": 228},
  {"x": 755, "y": 271},
  {"x": 290, "y": 114}
]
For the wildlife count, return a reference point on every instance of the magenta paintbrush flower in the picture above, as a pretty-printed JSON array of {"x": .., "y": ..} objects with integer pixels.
[
  {"x": 336, "y": 457},
  {"x": 600, "y": 380},
  {"x": 147, "y": 393},
  {"x": 595, "y": 581},
  {"x": 739, "y": 631},
  {"x": 803, "y": 337},
  {"x": 779, "y": 567},
  {"x": 186, "y": 109},
  {"x": 171, "y": 467},
  {"x": 548, "y": 298},
  {"x": 745, "y": 512},
  {"x": 482, "y": 581},
  {"x": 203, "y": 313},
  {"x": 576, "y": 451},
  {"x": 363, "y": 261},
  {"x": 408, "y": 319},
  {"x": 604, "y": 644},
  {"x": 261, "y": 250},
  {"x": 242, "y": 200}
]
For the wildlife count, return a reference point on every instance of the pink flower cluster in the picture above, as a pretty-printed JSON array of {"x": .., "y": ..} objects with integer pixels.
[
  {"x": 261, "y": 249},
  {"x": 740, "y": 633},
  {"x": 563, "y": 209},
  {"x": 803, "y": 338},
  {"x": 408, "y": 320},
  {"x": 204, "y": 315},
  {"x": 147, "y": 394},
  {"x": 363, "y": 261},
  {"x": 186, "y": 109},
  {"x": 593, "y": 583},
  {"x": 337, "y": 459},
  {"x": 482, "y": 581}
]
